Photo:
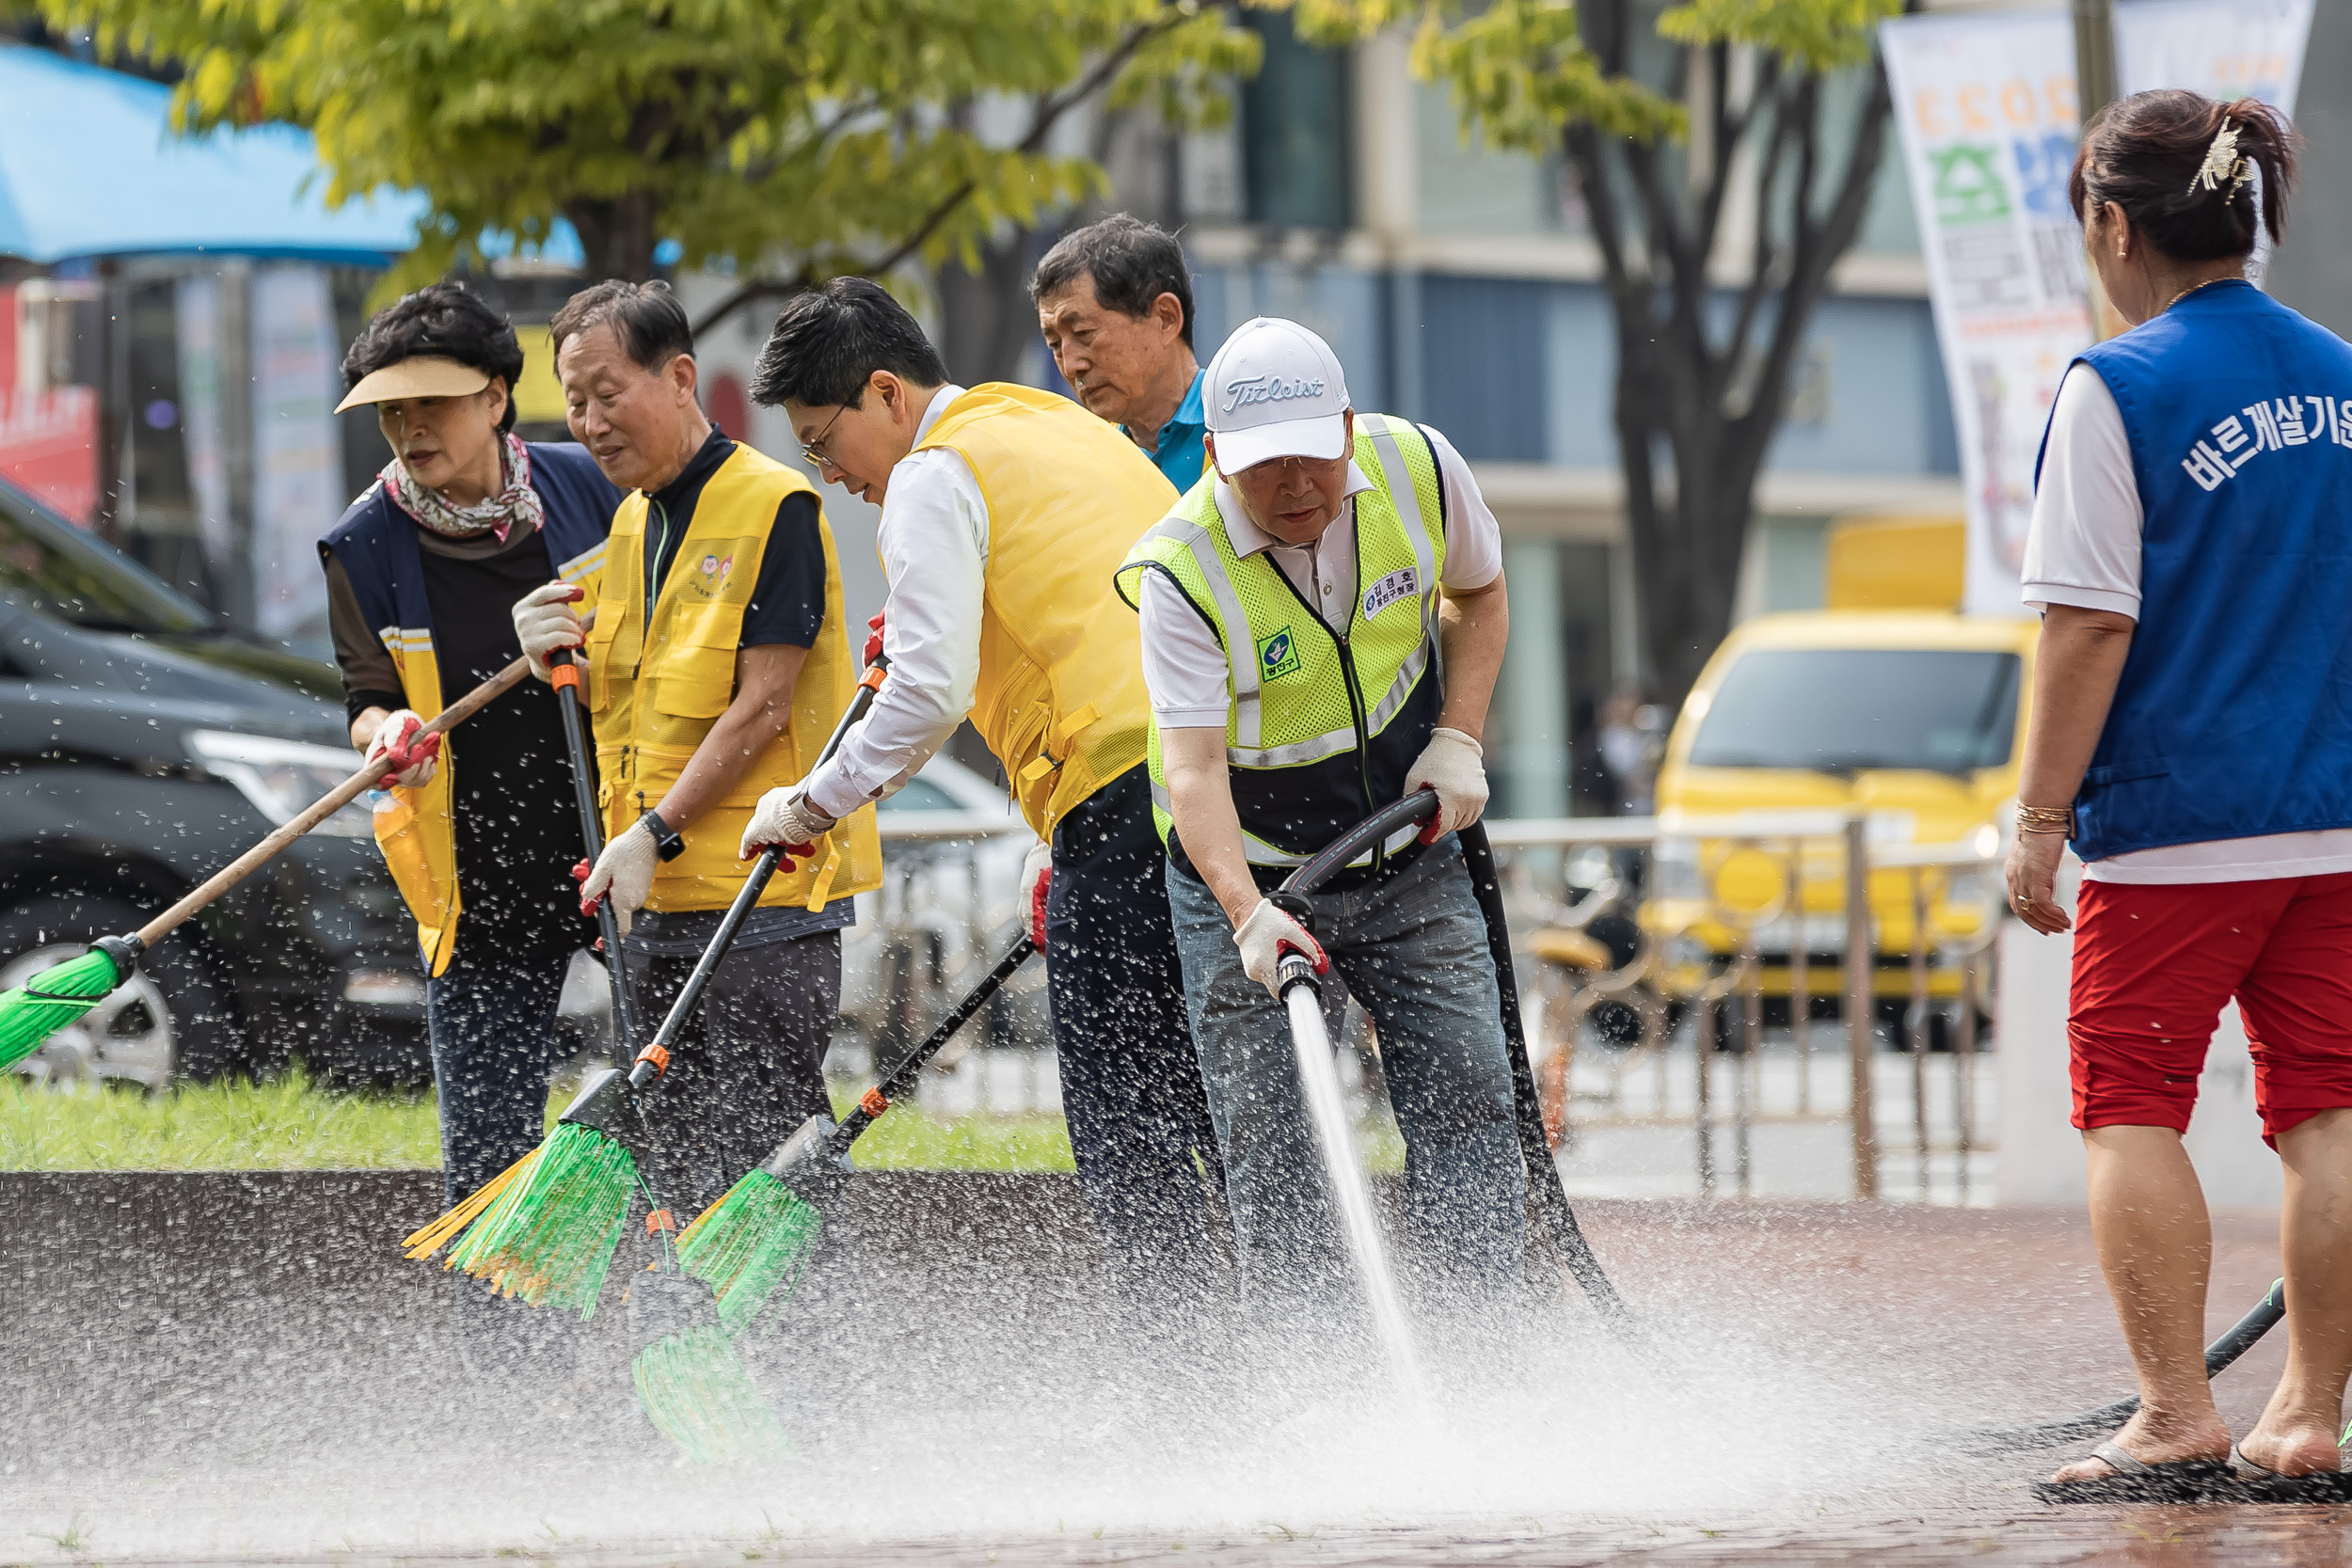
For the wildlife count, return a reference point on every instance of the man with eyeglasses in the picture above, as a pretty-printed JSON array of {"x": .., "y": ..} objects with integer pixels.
[{"x": 1004, "y": 512}]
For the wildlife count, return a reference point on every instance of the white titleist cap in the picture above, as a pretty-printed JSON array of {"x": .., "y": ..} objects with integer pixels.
[{"x": 1275, "y": 389}]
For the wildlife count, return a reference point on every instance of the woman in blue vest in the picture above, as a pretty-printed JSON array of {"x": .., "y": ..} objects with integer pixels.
[
  {"x": 422, "y": 576},
  {"x": 2191, "y": 552}
]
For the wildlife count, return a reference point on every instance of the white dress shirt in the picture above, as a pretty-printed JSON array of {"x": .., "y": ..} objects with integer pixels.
[
  {"x": 1184, "y": 666},
  {"x": 934, "y": 538},
  {"x": 2084, "y": 550}
]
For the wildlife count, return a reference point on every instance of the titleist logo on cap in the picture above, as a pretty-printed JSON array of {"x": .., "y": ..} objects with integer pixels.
[{"x": 1269, "y": 388}]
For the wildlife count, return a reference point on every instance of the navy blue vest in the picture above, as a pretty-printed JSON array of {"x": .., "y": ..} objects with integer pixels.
[
  {"x": 2234, "y": 715},
  {"x": 377, "y": 542}
]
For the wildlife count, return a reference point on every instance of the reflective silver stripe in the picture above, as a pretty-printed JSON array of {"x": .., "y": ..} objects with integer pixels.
[
  {"x": 1259, "y": 852},
  {"x": 587, "y": 561},
  {"x": 1241, "y": 648},
  {"x": 1383, "y": 434},
  {"x": 1406, "y": 676},
  {"x": 1330, "y": 743}
]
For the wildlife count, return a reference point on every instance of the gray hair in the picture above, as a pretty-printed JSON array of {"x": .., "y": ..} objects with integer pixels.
[{"x": 1131, "y": 263}]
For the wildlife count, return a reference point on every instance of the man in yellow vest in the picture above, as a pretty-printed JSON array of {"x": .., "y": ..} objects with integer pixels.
[
  {"x": 717, "y": 666},
  {"x": 1323, "y": 622},
  {"x": 1003, "y": 512}
]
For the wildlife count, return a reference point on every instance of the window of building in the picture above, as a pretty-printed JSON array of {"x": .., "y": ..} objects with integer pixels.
[{"x": 1294, "y": 125}]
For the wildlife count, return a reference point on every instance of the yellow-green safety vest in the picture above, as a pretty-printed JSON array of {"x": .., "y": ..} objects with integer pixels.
[{"x": 1322, "y": 728}]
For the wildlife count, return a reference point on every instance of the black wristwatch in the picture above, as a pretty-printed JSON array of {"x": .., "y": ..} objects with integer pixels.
[{"x": 666, "y": 841}]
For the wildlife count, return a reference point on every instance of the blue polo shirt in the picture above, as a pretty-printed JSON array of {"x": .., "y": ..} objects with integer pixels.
[{"x": 1180, "y": 455}]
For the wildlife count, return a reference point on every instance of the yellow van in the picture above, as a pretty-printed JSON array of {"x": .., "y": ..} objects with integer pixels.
[{"x": 1916, "y": 718}]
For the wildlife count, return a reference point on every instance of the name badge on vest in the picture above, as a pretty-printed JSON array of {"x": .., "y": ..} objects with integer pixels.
[{"x": 1401, "y": 584}]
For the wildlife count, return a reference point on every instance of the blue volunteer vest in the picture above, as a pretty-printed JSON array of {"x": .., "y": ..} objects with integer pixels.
[
  {"x": 377, "y": 542},
  {"x": 2234, "y": 715}
]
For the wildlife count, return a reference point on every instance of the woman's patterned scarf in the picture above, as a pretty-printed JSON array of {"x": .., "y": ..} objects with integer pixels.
[{"x": 516, "y": 506}]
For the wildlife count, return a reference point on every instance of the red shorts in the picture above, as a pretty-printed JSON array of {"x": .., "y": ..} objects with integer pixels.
[{"x": 2153, "y": 964}]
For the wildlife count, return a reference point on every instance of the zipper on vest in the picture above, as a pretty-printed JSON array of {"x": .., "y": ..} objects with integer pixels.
[{"x": 1357, "y": 714}]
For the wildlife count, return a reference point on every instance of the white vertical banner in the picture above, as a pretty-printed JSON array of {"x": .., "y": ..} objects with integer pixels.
[
  {"x": 2221, "y": 48},
  {"x": 298, "y": 450},
  {"x": 1987, "y": 111},
  {"x": 196, "y": 316},
  {"x": 1989, "y": 118}
]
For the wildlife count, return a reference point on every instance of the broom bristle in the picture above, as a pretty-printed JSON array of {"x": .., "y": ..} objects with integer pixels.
[
  {"x": 424, "y": 1243},
  {"x": 51, "y": 999},
  {"x": 749, "y": 1246},
  {"x": 549, "y": 1236},
  {"x": 695, "y": 1389}
]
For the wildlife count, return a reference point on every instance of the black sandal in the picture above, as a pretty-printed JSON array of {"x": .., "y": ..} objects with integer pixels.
[
  {"x": 2265, "y": 1485},
  {"x": 2178, "y": 1481}
]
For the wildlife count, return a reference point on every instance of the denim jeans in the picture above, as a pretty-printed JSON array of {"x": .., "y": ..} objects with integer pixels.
[
  {"x": 492, "y": 1020},
  {"x": 1412, "y": 949}
]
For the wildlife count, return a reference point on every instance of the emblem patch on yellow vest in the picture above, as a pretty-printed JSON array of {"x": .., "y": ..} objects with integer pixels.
[{"x": 1277, "y": 656}]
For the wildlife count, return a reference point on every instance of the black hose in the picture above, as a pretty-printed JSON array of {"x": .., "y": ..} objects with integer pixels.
[
  {"x": 1551, "y": 1200},
  {"x": 2241, "y": 1338}
]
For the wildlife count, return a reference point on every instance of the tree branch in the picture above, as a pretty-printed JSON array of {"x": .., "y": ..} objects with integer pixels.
[{"x": 1049, "y": 111}]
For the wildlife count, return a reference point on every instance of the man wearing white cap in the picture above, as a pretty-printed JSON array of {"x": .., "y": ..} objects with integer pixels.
[{"x": 1323, "y": 620}]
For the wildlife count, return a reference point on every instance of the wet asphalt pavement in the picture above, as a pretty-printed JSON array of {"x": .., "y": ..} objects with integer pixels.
[{"x": 243, "y": 1369}]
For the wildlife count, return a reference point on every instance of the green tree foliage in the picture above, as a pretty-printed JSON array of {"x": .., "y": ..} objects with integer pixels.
[
  {"x": 787, "y": 138},
  {"x": 1665, "y": 113}
]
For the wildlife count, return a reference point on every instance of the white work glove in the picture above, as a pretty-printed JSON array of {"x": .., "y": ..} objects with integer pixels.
[
  {"x": 783, "y": 816},
  {"x": 544, "y": 622},
  {"x": 1454, "y": 765},
  {"x": 413, "y": 756},
  {"x": 623, "y": 873},
  {"x": 1263, "y": 937},
  {"x": 1037, "y": 877}
]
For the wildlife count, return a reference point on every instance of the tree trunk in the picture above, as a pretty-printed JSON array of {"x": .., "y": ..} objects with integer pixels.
[
  {"x": 986, "y": 320},
  {"x": 616, "y": 236}
]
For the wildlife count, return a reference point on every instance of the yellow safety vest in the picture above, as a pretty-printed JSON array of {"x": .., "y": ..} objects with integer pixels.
[
  {"x": 655, "y": 696},
  {"x": 1060, "y": 698}
]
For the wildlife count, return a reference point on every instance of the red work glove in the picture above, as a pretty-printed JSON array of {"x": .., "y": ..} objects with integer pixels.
[
  {"x": 873, "y": 637},
  {"x": 405, "y": 751}
]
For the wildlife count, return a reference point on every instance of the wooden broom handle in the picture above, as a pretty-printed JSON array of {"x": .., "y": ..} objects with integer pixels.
[{"x": 324, "y": 807}]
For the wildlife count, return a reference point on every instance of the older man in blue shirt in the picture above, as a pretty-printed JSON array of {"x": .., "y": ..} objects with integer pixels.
[{"x": 1113, "y": 300}]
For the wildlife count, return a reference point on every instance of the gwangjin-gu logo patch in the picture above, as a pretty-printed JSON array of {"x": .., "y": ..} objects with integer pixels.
[
  {"x": 1403, "y": 583},
  {"x": 1277, "y": 656}
]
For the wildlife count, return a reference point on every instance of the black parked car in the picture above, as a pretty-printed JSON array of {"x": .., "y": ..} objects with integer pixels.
[{"x": 142, "y": 747}]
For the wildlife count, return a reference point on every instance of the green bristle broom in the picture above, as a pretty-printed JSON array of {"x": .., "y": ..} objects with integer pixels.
[
  {"x": 58, "y": 995},
  {"x": 546, "y": 1229},
  {"x": 752, "y": 1243}
]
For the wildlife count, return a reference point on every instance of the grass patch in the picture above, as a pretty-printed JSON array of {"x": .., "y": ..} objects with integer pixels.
[
  {"x": 285, "y": 1124},
  {"x": 290, "y": 1123},
  {"x": 907, "y": 1139}
]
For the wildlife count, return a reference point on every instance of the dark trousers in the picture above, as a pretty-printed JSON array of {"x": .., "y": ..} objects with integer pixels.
[
  {"x": 491, "y": 1016},
  {"x": 1138, "y": 1118},
  {"x": 748, "y": 1066},
  {"x": 492, "y": 1020}
]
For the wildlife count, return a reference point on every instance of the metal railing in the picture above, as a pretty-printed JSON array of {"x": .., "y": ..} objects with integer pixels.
[{"x": 1767, "y": 901}]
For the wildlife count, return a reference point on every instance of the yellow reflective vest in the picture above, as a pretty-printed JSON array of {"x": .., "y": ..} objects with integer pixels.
[
  {"x": 654, "y": 692},
  {"x": 1060, "y": 698}
]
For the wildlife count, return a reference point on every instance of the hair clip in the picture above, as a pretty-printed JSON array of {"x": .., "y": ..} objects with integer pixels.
[{"x": 2222, "y": 163}]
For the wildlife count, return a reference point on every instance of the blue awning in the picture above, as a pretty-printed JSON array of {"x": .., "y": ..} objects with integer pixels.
[{"x": 89, "y": 166}]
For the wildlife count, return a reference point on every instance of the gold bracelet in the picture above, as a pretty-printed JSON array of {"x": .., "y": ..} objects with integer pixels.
[
  {"x": 2045, "y": 820},
  {"x": 2044, "y": 832}
]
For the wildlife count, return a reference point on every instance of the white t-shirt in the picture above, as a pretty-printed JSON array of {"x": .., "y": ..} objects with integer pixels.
[
  {"x": 2084, "y": 550},
  {"x": 1184, "y": 665}
]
